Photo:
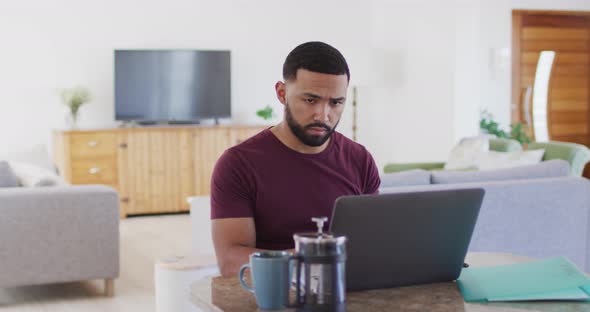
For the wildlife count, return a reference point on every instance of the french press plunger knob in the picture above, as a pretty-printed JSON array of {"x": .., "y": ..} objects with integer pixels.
[{"x": 320, "y": 223}]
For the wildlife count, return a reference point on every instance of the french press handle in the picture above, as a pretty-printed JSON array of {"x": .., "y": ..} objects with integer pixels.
[{"x": 299, "y": 300}]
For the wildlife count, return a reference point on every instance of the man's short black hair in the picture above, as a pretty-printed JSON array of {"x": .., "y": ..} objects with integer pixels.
[{"x": 317, "y": 57}]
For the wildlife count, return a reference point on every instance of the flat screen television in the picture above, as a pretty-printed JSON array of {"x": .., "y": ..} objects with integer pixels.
[{"x": 172, "y": 85}]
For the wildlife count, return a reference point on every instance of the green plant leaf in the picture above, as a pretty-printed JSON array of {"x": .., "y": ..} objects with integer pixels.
[
  {"x": 518, "y": 133},
  {"x": 490, "y": 126},
  {"x": 265, "y": 113}
]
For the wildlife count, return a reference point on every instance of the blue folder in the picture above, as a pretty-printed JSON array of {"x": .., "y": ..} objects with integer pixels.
[{"x": 550, "y": 279}]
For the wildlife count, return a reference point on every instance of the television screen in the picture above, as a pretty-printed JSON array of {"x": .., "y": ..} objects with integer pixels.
[{"x": 179, "y": 85}]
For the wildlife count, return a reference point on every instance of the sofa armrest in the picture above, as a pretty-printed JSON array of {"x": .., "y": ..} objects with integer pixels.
[
  {"x": 58, "y": 234},
  {"x": 535, "y": 217},
  {"x": 394, "y": 167},
  {"x": 576, "y": 154}
]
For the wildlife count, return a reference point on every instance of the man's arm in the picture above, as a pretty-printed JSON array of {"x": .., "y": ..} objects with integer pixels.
[
  {"x": 234, "y": 240},
  {"x": 372, "y": 179}
]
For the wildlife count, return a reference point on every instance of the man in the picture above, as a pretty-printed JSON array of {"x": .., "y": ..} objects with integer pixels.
[{"x": 270, "y": 186}]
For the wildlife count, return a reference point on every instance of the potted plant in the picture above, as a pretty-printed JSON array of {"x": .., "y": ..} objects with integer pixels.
[
  {"x": 73, "y": 99},
  {"x": 265, "y": 113},
  {"x": 518, "y": 131}
]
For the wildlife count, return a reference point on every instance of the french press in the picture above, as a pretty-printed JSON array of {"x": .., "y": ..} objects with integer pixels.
[{"x": 320, "y": 270}]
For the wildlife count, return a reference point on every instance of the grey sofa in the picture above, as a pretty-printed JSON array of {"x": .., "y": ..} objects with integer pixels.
[
  {"x": 536, "y": 211},
  {"x": 59, "y": 234}
]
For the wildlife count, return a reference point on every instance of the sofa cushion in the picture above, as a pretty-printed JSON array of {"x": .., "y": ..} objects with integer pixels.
[
  {"x": 467, "y": 153},
  {"x": 546, "y": 169},
  {"x": 406, "y": 178},
  {"x": 499, "y": 160},
  {"x": 7, "y": 176},
  {"x": 34, "y": 176}
]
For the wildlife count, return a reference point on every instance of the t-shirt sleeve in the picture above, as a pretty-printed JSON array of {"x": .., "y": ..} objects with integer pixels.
[
  {"x": 232, "y": 194},
  {"x": 372, "y": 179}
]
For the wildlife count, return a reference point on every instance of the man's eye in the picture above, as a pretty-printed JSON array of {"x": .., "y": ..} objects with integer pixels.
[
  {"x": 336, "y": 102},
  {"x": 310, "y": 101}
]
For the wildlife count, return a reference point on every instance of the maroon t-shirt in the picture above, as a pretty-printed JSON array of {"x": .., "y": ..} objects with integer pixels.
[{"x": 283, "y": 189}]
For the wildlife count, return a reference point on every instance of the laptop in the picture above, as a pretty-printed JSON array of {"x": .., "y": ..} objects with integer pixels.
[{"x": 407, "y": 238}]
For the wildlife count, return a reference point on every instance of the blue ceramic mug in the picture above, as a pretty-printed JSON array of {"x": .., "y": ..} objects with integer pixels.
[{"x": 270, "y": 272}]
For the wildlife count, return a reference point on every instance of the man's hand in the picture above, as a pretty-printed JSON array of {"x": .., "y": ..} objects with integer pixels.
[{"x": 234, "y": 240}]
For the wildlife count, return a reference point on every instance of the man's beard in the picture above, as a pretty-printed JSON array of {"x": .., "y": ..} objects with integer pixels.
[{"x": 307, "y": 139}]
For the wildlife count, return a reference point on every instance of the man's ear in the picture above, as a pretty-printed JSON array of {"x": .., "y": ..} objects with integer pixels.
[{"x": 281, "y": 91}]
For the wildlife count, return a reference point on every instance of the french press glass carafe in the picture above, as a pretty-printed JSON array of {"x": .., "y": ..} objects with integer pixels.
[{"x": 320, "y": 270}]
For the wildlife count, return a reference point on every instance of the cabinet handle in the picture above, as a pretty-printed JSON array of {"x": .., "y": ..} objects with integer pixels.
[
  {"x": 94, "y": 170},
  {"x": 123, "y": 145},
  {"x": 92, "y": 143},
  {"x": 125, "y": 199}
]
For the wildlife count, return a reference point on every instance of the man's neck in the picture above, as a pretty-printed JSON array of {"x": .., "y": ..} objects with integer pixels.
[{"x": 286, "y": 136}]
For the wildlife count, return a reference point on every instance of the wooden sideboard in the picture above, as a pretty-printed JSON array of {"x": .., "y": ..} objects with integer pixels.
[{"x": 154, "y": 169}]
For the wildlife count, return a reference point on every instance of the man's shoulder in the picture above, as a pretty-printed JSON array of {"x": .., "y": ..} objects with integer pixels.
[
  {"x": 254, "y": 145},
  {"x": 245, "y": 156}
]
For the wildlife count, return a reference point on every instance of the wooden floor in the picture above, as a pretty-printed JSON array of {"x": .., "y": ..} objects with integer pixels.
[{"x": 143, "y": 240}]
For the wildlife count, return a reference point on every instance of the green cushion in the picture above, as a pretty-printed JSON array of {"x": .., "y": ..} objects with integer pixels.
[
  {"x": 576, "y": 155},
  {"x": 505, "y": 145}
]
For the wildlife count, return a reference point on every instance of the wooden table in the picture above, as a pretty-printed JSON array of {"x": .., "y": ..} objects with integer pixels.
[{"x": 226, "y": 294}]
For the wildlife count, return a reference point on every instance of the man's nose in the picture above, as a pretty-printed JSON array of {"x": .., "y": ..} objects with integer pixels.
[{"x": 322, "y": 113}]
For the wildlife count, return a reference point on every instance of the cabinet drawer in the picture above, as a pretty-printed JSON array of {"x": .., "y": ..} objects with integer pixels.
[
  {"x": 94, "y": 172},
  {"x": 93, "y": 144}
]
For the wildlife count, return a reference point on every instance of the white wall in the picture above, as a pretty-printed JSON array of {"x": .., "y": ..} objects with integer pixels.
[
  {"x": 411, "y": 116},
  {"x": 422, "y": 66}
]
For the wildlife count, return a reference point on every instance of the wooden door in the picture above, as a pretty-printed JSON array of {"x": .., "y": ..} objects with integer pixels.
[
  {"x": 155, "y": 170},
  {"x": 568, "y": 35}
]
